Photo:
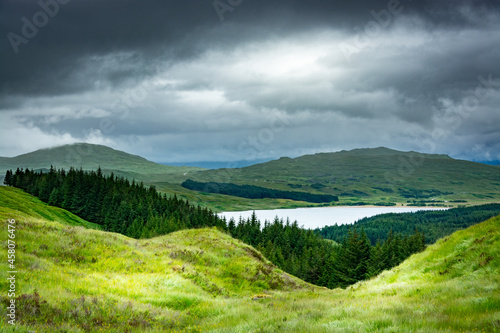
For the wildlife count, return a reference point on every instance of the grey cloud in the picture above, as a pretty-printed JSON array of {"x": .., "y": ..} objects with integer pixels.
[
  {"x": 169, "y": 30},
  {"x": 214, "y": 83}
]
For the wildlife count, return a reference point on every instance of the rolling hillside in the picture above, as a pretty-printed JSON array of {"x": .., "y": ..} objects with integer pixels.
[
  {"x": 377, "y": 175},
  {"x": 362, "y": 176},
  {"x": 82, "y": 280},
  {"x": 90, "y": 157},
  {"x": 75, "y": 278}
]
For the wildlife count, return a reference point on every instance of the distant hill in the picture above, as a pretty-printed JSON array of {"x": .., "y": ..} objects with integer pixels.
[
  {"x": 90, "y": 157},
  {"x": 219, "y": 164},
  {"x": 373, "y": 176},
  {"x": 379, "y": 176}
]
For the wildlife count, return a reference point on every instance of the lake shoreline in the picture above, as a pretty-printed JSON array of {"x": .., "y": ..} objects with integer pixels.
[
  {"x": 318, "y": 217},
  {"x": 343, "y": 206}
]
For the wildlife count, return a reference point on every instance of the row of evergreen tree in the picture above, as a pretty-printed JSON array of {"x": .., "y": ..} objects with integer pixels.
[
  {"x": 113, "y": 202},
  {"x": 358, "y": 260},
  {"x": 138, "y": 211},
  {"x": 256, "y": 192},
  {"x": 435, "y": 223},
  {"x": 303, "y": 253}
]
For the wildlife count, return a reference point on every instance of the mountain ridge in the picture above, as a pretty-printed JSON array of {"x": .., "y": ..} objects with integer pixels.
[
  {"x": 89, "y": 157},
  {"x": 384, "y": 151},
  {"x": 372, "y": 175},
  {"x": 80, "y": 150},
  {"x": 381, "y": 176}
]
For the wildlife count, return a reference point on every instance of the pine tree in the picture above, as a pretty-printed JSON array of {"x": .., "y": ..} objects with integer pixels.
[
  {"x": 327, "y": 274},
  {"x": 376, "y": 263},
  {"x": 254, "y": 229},
  {"x": 397, "y": 251},
  {"x": 291, "y": 264},
  {"x": 279, "y": 259},
  {"x": 44, "y": 189},
  {"x": 362, "y": 256},
  {"x": 388, "y": 251},
  {"x": 17, "y": 178},
  {"x": 339, "y": 268},
  {"x": 8, "y": 178},
  {"x": 55, "y": 198},
  {"x": 232, "y": 227},
  {"x": 345, "y": 260}
]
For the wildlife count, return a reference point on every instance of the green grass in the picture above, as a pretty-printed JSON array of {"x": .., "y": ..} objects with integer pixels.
[
  {"x": 18, "y": 204},
  {"x": 72, "y": 279}
]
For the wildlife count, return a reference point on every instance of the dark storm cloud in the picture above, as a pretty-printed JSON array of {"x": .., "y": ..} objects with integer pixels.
[
  {"x": 157, "y": 30},
  {"x": 80, "y": 30},
  {"x": 363, "y": 73}
]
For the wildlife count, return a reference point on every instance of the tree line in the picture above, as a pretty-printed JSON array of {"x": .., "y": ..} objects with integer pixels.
[
  {"x": 256, "y": 192},
  {"x": 305, "y": 254},
  {"x": 129, "y": 208},
  {"x": 435, "y": 224}
]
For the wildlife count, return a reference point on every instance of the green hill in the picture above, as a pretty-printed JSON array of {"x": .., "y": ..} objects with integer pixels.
[
  {"x": 377, "y": 176},
  {"x": 72, "y": 279},
  {"x": 90, "y": 157},
  {"x": 15, "y": 203}
]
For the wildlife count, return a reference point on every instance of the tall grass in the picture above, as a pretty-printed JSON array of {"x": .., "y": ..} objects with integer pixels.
[{"x": 73, "y": 279}]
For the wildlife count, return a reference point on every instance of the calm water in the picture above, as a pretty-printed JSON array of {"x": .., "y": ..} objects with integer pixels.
[{"x": 317, "y": 217}]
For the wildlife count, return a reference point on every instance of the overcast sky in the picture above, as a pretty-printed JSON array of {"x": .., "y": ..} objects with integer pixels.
[{"x": 203, "y": 80}]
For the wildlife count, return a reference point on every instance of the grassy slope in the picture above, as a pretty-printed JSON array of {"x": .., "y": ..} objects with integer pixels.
[
  {"x": 370, "y": 175},
  {"x": 204, "y": 281},
  {"x": 15, "y": 203},
  {"x": 177, "y": 279}
]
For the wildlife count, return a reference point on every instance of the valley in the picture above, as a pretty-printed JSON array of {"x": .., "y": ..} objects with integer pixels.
[
  {"x": 378, "y": 176},
  {"x": 82, "y": 280},
  {"x": 182, "y": 269}
]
